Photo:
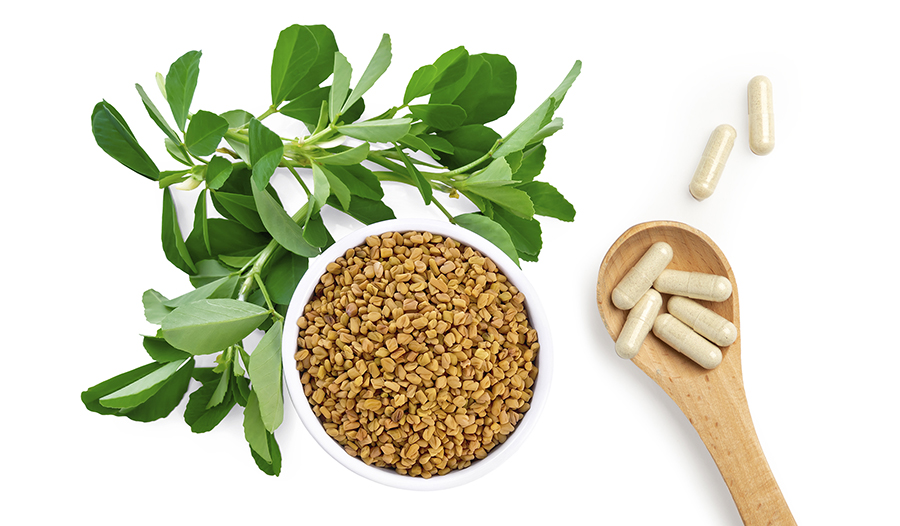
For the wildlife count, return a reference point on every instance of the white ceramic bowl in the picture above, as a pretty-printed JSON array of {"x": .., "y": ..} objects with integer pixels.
[{"x": 536, "y": 318}]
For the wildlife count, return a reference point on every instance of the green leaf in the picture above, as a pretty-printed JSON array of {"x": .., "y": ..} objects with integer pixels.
[
  {"x": 177, "y": 151},
  {"x": 91, "y": 397},
  {"x": 448, "y": 68},
  {"x": 208, "y": 270},
  {"x": 315, "y": 231},
  {"x": 278, "y": 223},
  {"x": 116, "y": 139},
  {"x": 240, "y": 387},
  {"x": 172, "y": 241},
  {"x": 217, "y": 172},
  {"x": 382, "y": 130},
  {"x": 295, "y": 53},
  {"x": 265, "y": 377},
  {"x": 283, "y": 275},
  {"x": 490, "y": 230},
  {"x": 241, "y": 208},
  {"x": 141, "y": 389},
  {"x": 421, "y": 183},
  {"x": 359, "y": 180},
  {"x": 156, "y": 115},
  {"x": 307, "y": 107},
  {"x": 548, "y": 201},
  {"x": 324, "y": 64},
  {"x": 498, "y": 173},
  {"x": 421, "y": 83},
  {"x": 439, "y": 144},
  {"x": 340, "y": 86},
  {"x": 560, "y": 92},
  {"x": 255, "y": 429},
  {"x": 441, "y": 116},
  {"x": 237, "y": 118},
  {"x": 469, "y": 143},
  {"x": 525, "y": 233},
  {"x": 335, "y": 185},
  {"x": 201, "y": 221},
  {"x": 223, "y": 287},
  {"x": 181, "y": 81},
  {"x": 321, "y": 189},
  {"x": 160, "y": 350},
  {"x": 154, "y": 306},
  {"x": 166, "y": 399},
  {"x": 532, "y": 164},
  {"x": 552, "y": 127},
  {"x": 487, "y": 90},
  {"x": 208, "y": 326},
  {"x": 364, "y": 210},
  {"x": 202, "y": 417},
  {"x": 204, "y": 133},
  {"x": 377, "y": 66},
  {"x": 226, "y": 238},
  {"x": 516, "y": 201},
  {"x": 451, "y": 66},
  {"x": 266, "y": 150},
  {"x": 354, "y": 155},
  {"x": 273, "y": 467},
  {"x": 523, "y": 133},
  {"x": 218, "y": 396}
]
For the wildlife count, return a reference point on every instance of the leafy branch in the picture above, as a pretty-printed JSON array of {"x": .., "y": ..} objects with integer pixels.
[{"x": 245, "y": 265}]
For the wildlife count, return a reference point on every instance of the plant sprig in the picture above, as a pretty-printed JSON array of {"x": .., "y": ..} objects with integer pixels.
[{"x": 245, "y": 265}]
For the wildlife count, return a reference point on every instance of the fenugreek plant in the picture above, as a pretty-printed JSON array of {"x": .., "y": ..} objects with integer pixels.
[{"x": 245, "y": 261}]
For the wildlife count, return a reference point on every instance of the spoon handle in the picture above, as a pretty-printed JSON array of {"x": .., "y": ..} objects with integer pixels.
[{"x": 722, "y": 419}]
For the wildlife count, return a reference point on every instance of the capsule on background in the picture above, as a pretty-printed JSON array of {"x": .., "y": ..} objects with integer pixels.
[
  {"x": 640, "y": 278},
  {"x": 712, "y": 163},
  {"x": 695, "y": 285},
  {"x": 705, "y": 322},
  {"x": 684, "y": 340},
  {"x": 762, "y": 115},
  {"x": 638, "y": 324}
]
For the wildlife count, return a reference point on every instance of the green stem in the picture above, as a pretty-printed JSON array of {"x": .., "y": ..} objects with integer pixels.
[
  {"x": 239, "y": 137},
  {"x": 314, "y": 138},
  {"x": 265, "y": 293},
  {"x": 261, "y": 259},
  {"x": 299, "y": 179},
  {"x": 442, "y": 209},
  {"x": 272, "y": 109}
]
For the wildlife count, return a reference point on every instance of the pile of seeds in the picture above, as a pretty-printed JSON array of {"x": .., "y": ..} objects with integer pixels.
[{"x": 416, "y": 353}]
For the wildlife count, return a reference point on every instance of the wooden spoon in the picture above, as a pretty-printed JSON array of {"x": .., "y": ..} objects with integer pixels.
[{"x": 713, "y": 400}]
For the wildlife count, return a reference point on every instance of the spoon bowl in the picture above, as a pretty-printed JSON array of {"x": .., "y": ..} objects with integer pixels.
[{"x": 714, "y": 400}]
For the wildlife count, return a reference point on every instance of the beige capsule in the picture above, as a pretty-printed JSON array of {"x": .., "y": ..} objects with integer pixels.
[
  {"x": 761, "y": 109},
  {"x": 696, "y": 285},
  {"x": 712, "y": 163},
  {"x": 684, "y": 340},
  {"x": 704, "y": 321},
  {"x": 638, "y": 324},
  {"x": 640, "y": 278}
]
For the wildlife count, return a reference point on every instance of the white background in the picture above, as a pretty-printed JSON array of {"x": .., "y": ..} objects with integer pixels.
[{"x": 810, "y": 230}]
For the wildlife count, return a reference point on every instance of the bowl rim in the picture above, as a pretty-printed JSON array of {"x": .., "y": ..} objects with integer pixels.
[{"x": 536, "y": 317}]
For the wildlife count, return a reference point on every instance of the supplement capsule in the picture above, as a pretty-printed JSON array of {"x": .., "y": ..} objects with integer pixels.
[
  {"x": 640, "y": 278},
  {"x": 638, "y": 324},
  {"x": 684, "y": 340},
  {"x": 706, "y": 177},
  {"x": 704, "y": 321},
  {"x": 762, "y": 115},
  {"x": 695, "y": 285}
]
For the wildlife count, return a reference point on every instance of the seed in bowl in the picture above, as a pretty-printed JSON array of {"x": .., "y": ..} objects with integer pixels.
[{"x": 416, "y": 353}]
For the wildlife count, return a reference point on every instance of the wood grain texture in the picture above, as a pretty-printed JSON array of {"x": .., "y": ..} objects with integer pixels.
[{"x": 713, "y": 401}]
